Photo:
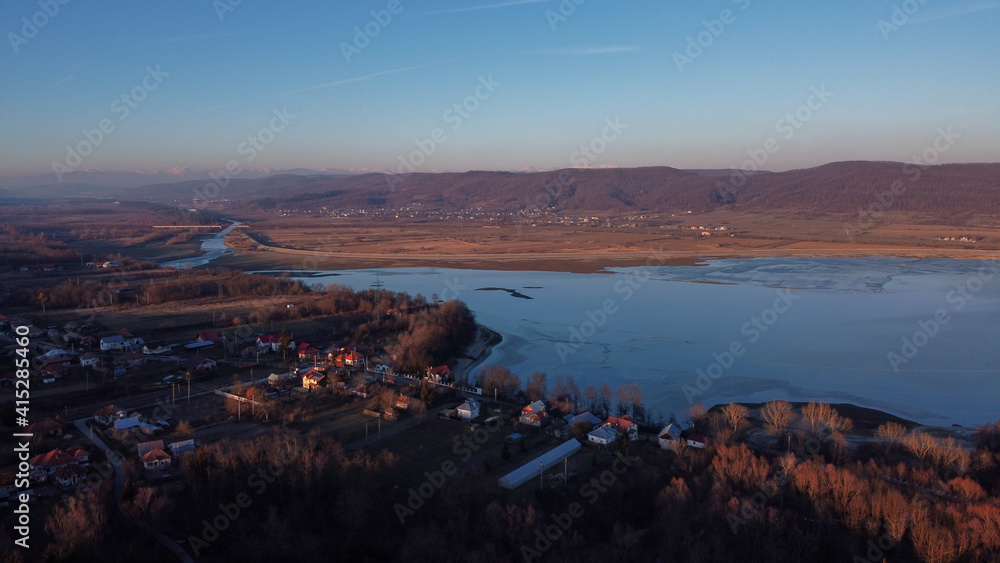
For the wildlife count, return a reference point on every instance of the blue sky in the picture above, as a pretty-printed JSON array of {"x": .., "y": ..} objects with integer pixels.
[{"x": 555, "y": 82}]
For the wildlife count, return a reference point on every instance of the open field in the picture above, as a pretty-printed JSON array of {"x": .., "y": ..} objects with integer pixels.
[{"x": 324, "y": 243}]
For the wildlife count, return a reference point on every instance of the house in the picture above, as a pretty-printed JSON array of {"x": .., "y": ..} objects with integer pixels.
[
  {"x": 49, "y": 463},
  {"x": 696, "y": 440},
  {"x": 402, "y": 402},
  {"x": 69, "y": 475},
  {"x": 308, "y": 354},
  {"x": 394, "y": 313},
  {"x": 182, "y": 447},
  {"x": 530, "y": 470},
  {"x": 146, "y": 447},
  {"x": 439, "y": 373},
  {"x": 48, "y": 267},
  {"x": 314, "y": 379},
  {"x": 108, "y": 415},
  {"x": 133, "y": 424},
  {"x": 47, "y": 427},
  {"x": 111, "y": 264},
  {"x": 626, "y": 426},
  {"x": 584, "y": 417},
  {"x": 89, "y": 359},
  {"x": 354, "y": 359},
  {"x": 272, "y": 342},
  {"x": 198, "y": 364},
  {"x": 154, "y": 351},
  {"x": 156, "y": 459},
  {"x": 670, "y": 436},
  {"x": 361, "y": 391},
  {"x": 602, "y": 435},
  {"x": 468, "y": 410},
  {"x": 118, "y": 342},
  {"x": 533, "y": 414}
]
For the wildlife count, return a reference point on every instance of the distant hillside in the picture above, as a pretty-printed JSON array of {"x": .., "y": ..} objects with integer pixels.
[{"x": 954, "y": 193}]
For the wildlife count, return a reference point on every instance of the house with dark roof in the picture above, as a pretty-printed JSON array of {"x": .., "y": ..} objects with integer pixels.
[
  {"x": 602, "y": 435},
  {"x": 47, "y": 427},
  {"x": 108, "y": 415},
  {"x": 69, "y": 475},
  {"x": 670, "y": 436}
]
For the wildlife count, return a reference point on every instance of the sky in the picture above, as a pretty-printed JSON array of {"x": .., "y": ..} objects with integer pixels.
[{"x": 494, "y": 84}]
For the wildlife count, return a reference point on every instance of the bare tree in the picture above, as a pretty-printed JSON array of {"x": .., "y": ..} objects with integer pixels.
[
  {"x": 591, "y": 395},
  {"x": 536, "y": 386},
  {"x": 607, "y": 395},
  {"x": 820, "y": 420},
  {"x": 891, "y": 434},
  {"x": 778, "y": 416},
  {"x": 735, "y": 415}
]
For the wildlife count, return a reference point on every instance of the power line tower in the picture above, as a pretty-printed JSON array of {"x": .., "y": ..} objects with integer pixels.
[{"x": 377, "y": 286}]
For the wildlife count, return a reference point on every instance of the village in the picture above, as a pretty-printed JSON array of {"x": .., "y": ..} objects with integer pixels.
[{"x": 353, "y": 392}]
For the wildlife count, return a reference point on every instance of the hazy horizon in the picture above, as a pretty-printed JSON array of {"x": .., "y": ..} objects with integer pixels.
[{"x": 514, "y": 85}]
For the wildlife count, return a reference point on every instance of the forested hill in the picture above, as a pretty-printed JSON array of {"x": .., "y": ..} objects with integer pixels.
[{"x": 952, "y": 193}]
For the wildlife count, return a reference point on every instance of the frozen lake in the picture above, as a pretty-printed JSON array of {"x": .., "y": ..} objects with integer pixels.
[{"x": 917, "y": 338}]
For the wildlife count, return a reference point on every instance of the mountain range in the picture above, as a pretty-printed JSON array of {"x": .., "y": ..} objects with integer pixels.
[{"x": 959, "y": 194}]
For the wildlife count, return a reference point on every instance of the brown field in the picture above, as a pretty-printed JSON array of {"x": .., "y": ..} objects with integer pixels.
[{"x": 324, "y": 243}]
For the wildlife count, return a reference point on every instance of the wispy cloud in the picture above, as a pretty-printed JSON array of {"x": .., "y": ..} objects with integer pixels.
[
  {"x": 484, "y": 7},
  {"x": 71, "y": 75},
  {"x": 957, "y": 12},
  {"x": 184, "y": 38},
  {"x": 587, "y": 51},
  {"x": 358, "y": 78},
  {"x": 318, "y": 86}
]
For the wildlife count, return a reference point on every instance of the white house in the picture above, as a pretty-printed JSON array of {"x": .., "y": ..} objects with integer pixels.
[
  {"x": 602, "y": 435},
  {"x": 626, "y": 426},
  {"x": 119, "y": 342},
  {"x": 468, "y": 410},
  {"x": 697, "y": 440},
  {"x": 533, "y": 414},
  {"x": 670, "y": 436},
  {"x": 156, "y": 459},
  {"x": 89, "y": 359}
]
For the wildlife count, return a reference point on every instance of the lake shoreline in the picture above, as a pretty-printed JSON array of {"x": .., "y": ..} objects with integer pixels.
[{"x": 584, "y": 263}]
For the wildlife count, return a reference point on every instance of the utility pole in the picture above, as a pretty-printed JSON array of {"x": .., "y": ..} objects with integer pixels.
[
  {"x": 541, "y": 474},
  {"x": 378, "y": 297}
]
